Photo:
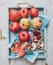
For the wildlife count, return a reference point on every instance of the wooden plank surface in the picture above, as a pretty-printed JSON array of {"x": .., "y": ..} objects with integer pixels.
[{"x": 3, "y": 24}]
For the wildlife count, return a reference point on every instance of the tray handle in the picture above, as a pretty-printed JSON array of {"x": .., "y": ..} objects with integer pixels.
[{"x": 24, "y": 3}]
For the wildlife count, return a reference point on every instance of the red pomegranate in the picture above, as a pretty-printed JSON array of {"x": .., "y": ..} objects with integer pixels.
[{"x": 14, "y": 15}]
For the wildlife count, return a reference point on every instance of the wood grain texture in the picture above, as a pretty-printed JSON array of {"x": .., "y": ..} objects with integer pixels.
[{"x": 3, "y": 24}]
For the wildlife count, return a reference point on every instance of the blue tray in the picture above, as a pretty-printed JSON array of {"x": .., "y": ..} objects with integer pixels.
[{"x": 11, "y": 36}]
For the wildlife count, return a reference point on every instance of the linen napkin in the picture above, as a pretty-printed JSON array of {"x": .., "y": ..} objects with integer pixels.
[
  {"x": 45, "y": 21},
  {"x": 32, "y": 57},
  {"x": 11, "y": 43}
]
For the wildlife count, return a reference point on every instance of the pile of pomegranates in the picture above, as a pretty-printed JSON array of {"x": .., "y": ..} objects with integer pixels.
[
  {"x": 19, "y": 24},
  {"x": 15, "y": 15}
]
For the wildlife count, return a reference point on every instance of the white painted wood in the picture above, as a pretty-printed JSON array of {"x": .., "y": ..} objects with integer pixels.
[{"x": 4, "y": 20}]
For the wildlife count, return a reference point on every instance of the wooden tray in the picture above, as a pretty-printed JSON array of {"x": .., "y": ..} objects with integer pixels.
[{"x": 42, "y": 55}]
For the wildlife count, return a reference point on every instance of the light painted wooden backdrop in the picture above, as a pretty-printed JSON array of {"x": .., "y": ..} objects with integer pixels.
[{"x": 4, "y": 4}]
